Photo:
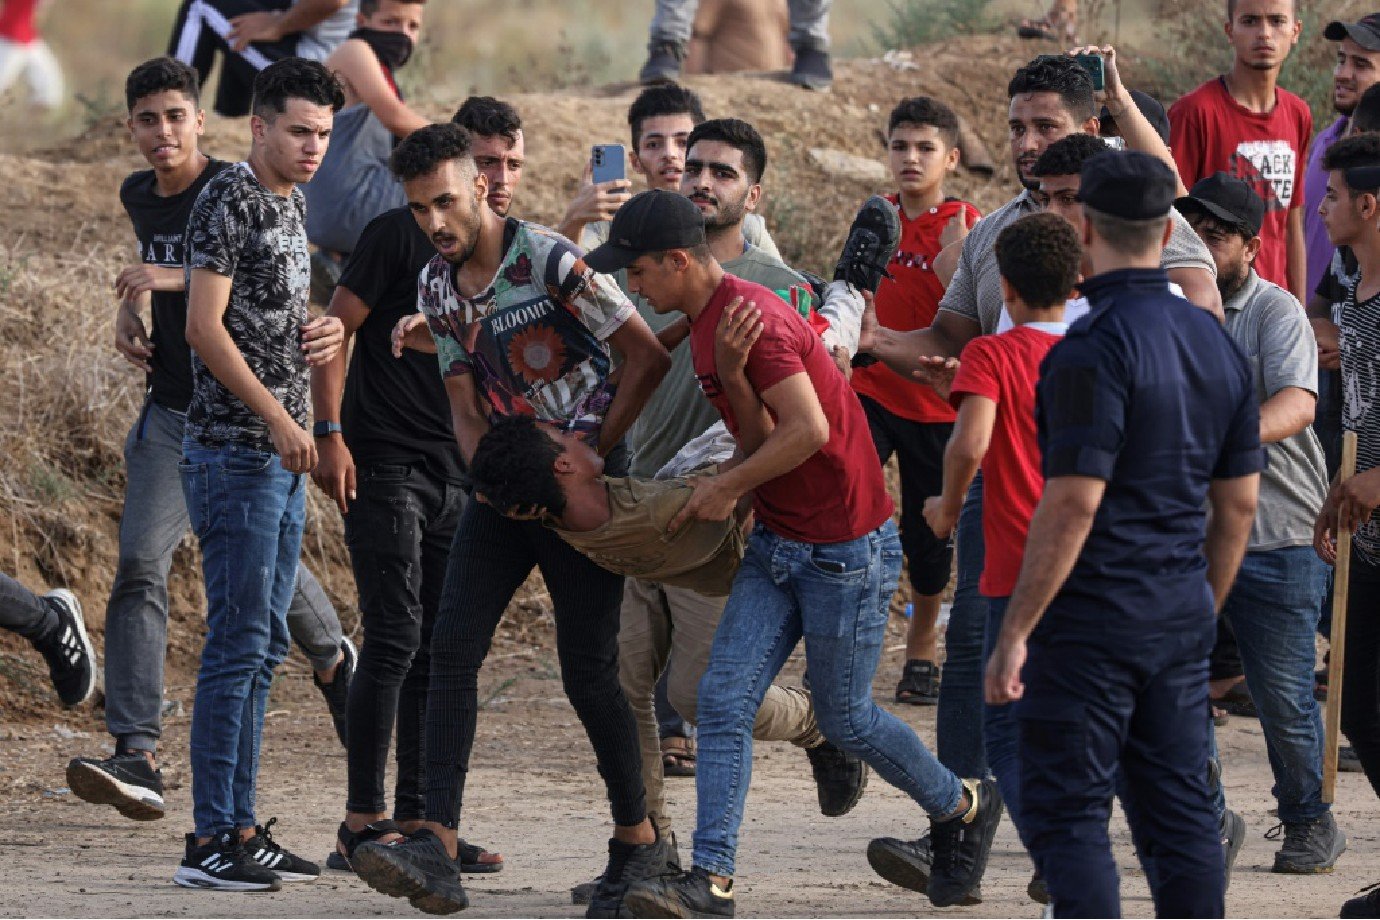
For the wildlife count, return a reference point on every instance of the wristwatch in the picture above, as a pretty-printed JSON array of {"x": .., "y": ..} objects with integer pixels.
[{"x": 323, "y": 429}]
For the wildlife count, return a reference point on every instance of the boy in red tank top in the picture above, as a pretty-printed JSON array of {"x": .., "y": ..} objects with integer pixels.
[{"x": 908, "y": 418}]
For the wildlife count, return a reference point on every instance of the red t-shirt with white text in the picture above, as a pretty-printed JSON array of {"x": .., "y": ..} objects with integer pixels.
[
  {"x": 909, "y": 300},
  {"x": 1211, "y": 131},
  {"x": 837, "y": 493},
  {"x": 1005, "y": 368}
]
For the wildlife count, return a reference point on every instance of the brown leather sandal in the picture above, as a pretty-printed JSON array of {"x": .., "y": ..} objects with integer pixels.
[{"x": 677, "y": 756}]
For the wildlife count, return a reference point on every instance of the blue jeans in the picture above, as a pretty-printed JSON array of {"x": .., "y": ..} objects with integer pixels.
[
  {"x": 958, "y": 725},
  {"x": 1273, "y": 609},
  {"x": 247, "y": 512},
  {"x": 1000, "y": 731},
  {"x": 837, "y": 596}
]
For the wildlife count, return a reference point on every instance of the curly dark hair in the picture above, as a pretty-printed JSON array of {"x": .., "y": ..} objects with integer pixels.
[
  {"x": 1365, "y": 118},
  {"x": 1040, "y": 255},
  {"x": 488, "y": 117},
  {"x": 159, "y": 75},
  {"x": 1057, "y": 73},
  {"x": 739, "y": 135},
  {"x": 1066, "y": 156},
  {"x": 428, "y": 147},
  {"x": 662, "y": 99},
  {"x": 1351, "y": 152},
  {"x": 513, "y": 467},
  {"x": 923, "y": 110},
  {"x": 295, "y": 78}
]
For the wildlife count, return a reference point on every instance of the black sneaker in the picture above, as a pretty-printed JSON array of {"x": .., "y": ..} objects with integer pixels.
[
  {"x": 1367, "y": 905},
  {"x": 337, "y": 692},
  {"x": 840, "y": 778},
  {"x": 1310, "y": 847},
  {"x": 270, "y": 854},
  {"x": 418, "y": 868},
  {"x": 127, "y": 781},
  {"x": 872, "y": 241},
  {"x": 812, "y": 70},
  {"x": 628, "y": 864},
  {"x": 223, "y": 865},
  {"x": 907, "y": 864},
  {"x": 583, "y": 893},
  {"x": 1233, "y": 837},
  {"x": 71, "y": 659},
  {"x": 1037, "y": 889},
  {"x": 663, "y": 63},
  {"x": 684, "y": 894},
  {"x": 961, "y": 845}
]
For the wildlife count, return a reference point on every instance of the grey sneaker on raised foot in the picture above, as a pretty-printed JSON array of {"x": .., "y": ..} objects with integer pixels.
[
  {"x": 663, "y": 63},
  {"x": 871, "y": 242},
  {"x": 907, "y": 864},
  {"x": 811, "y": 69},
  {"x": 1233, "y": 837},
  {"x": 1310, "y": 847}
]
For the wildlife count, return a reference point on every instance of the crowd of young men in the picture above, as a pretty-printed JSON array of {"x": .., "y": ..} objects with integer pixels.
[{"x": 686, "y": 437}]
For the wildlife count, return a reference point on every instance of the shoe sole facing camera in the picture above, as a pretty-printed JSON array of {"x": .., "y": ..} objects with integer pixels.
[
  {"x": 90, "y": 783},
  {"x": 639, "y": 902},
  {"x": 188, "y": 877},
  {"x": 398, "y": 879},
  {"x": 69, "y": 600},
  {"x": 896, "y": 867}
]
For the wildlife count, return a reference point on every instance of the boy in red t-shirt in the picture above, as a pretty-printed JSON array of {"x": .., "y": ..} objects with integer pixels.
[
  {"x": 1242, "y": 122},
  {"x": 907, "y": 418},
  {"x": 994, "y": 390}
]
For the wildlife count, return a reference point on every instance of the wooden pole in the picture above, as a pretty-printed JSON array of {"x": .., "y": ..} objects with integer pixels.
[{"x": 1332, "y": 720}]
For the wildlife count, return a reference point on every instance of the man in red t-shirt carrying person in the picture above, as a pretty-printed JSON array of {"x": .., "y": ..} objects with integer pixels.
[
  {"x": 908, "y": 418},
  {"x": 822, "y": 562},
  {"x": 1243, "y": 123}
]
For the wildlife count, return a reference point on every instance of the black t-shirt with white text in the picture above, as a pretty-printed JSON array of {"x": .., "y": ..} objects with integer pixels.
[
  {"x": 160, "y": 222},
  {"x": 395, "y": 410}
]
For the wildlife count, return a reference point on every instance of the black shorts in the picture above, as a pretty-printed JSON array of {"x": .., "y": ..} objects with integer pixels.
[{"x": 919, "y": 449}]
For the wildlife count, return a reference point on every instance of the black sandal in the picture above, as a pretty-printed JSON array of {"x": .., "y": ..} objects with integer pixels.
[
  {"x": 470, "y": 858},
  {"x": 919, "y": 684},
  {"x": 351, "y": 839}
]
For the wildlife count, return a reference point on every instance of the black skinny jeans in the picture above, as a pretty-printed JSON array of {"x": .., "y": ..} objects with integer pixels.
[
  {"x": 399, "y": 530},
  {"x": 1361, "y": 679},
  {"x": 492, "y": 556}
]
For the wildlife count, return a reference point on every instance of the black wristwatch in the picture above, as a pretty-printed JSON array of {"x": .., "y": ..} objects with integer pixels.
[{"x": 323, "y": 429}]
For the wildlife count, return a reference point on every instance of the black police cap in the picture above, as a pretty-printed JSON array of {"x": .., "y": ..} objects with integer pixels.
[
  {"x": 651, "y": 221},
  {"x": 1127, "y": 184}
]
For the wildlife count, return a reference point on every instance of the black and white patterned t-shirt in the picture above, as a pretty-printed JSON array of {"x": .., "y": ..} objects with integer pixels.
[
  {"x": 241, "y": 229},
  {"x": 1360, "y": 347}
]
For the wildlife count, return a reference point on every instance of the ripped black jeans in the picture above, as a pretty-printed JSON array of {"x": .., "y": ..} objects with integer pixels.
[{"x": 399, "y": 530}]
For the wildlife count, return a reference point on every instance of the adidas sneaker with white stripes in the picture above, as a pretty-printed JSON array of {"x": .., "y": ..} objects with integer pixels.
[
  {"x": 222, "y": 864},
  {"x": 267, "y": 852}
]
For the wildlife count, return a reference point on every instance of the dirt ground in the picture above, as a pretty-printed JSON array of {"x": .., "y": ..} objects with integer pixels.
[{"x": 534, "y": 796}]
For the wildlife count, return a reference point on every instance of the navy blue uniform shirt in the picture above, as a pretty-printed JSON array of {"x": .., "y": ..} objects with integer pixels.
[{"x": 1150, "y": 394}]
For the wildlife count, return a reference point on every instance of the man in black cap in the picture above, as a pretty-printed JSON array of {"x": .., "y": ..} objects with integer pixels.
[
  {"x": 1273, "y": 607},
  {"x": 1146, "y": 418},
  {"x": 822, "y": 561},
  {"x": 522, "y": 326}
]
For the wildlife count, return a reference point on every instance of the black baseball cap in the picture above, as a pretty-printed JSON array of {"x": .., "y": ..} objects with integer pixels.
[
  {"x": 1228, "y": 198},
  {"x": 1127, "y": 184},
  {"x": 1365, "y": 32},
  {"x": 651, "y": 221},
  {"x": 1150, "y": 107}
]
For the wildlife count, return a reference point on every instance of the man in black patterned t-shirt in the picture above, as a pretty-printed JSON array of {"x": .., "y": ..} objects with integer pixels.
[
  {"x": 1350, "y": 210},
  {"x": 245, "y": 455}
]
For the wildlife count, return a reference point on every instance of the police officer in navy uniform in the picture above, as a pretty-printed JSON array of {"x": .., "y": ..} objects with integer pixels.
[{"x": 1147, "y": 416}]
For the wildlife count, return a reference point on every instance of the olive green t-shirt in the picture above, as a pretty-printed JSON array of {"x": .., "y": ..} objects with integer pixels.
[{"x": 702, "y": 556}]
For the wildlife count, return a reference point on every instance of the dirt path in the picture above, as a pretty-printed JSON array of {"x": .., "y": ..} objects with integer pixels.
[{"x": 534, "y": 796}]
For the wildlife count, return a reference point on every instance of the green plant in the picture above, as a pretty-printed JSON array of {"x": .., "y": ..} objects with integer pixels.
[{"x": 908, "y": 23}]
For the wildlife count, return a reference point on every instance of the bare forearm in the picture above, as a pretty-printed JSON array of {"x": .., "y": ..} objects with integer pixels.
[
  {"x": 223, "y": 359},
  {"x": 902, "y": 351},
  {"x": 1286, "y": 414},
  {"x": 639, "y": 381},
  {"x": 671, "y": 336},
  {"x": 1057, "y": 535},
  {"x": 754, "y": 421},
  {"x": 1226, "y": 546},
  {"x": 328, "y": 385},
  {"x": 960, "y": 467},
  {"x": 1297, "y": 256},
  {"x": 305, "y": 14},
  {"x": 790, "y": 444}
]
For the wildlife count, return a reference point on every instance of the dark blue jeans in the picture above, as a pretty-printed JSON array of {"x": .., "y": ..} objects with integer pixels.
[
  {"x": 248, "y": 512},
  {"x": 999, "y": 729},
  {"x": 958, "y": 726},
  {"x": 1136, "y": 706},
  {"x": 836, "y": 595},
  {"x": 1273, "y": 609}
]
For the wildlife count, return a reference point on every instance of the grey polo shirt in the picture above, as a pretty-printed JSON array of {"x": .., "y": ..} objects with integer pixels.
[
  {"x": 1270, "y": 327},
  {"x": 975, "y": 291}
]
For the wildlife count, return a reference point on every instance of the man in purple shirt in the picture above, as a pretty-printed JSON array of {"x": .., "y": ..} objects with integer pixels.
[{"x": 1357, "y": 69}]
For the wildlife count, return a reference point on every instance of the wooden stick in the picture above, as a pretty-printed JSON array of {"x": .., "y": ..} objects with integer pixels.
[{"x": 1332, "y": 720}]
